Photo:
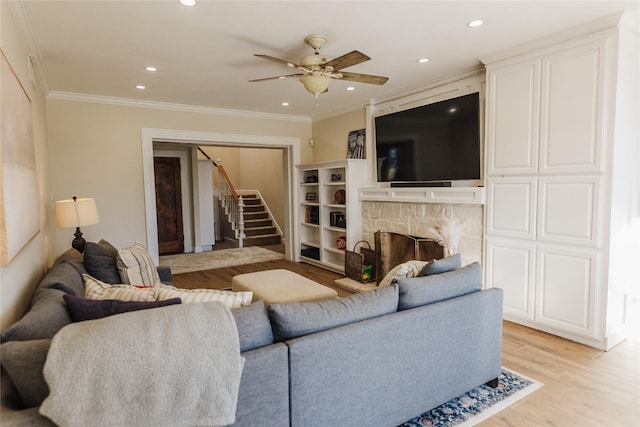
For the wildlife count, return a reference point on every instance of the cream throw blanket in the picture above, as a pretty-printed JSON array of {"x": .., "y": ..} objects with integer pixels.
[{"x": 173, "y": 366}]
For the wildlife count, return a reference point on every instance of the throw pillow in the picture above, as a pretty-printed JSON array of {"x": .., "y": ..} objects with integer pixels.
[
  {"x": 401, "y": 271},
  {"x": 188, "y": 296},
  {"x": 136, "y": 266},
  {"x": 254, "y": 328},
  {"x": 297, "y": 319},
  {"x": 100, "y": 261},
  {"x": 47, "y": 315},
  {"x": 23, "y": 362},
  {"x": 95, "y": 289},
  {"x": 82, "y": 309},
  {"x": 438, "y": 266},
  {"x": 417, "y": 291}
]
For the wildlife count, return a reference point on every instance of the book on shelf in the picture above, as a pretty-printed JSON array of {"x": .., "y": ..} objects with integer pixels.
[{"x": 312, "y": 215}]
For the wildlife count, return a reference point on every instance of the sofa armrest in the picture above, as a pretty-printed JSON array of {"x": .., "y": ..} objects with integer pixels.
[{"x": 164, "y": 272}]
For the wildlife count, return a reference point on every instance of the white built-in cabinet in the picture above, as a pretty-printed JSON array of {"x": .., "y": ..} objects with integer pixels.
[
  {"x": 329, "y": 211},
  {"x": 554, "y": 203}
]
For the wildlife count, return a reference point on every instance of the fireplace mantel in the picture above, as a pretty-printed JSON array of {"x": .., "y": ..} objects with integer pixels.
[{"x": 452, "y": 195}]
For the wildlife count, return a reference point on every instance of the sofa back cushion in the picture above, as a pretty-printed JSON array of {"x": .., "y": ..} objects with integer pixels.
[
  {"x": 290, "y": 320},
  {"x": 47, "y": 315},
  {"x": 254, "y": 328},
  {"x": 65, "y": 277},
  {"x": 417, "y": 291}
]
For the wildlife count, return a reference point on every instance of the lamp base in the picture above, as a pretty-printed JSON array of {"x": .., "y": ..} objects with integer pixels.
[{"x": 78, "y": 242}]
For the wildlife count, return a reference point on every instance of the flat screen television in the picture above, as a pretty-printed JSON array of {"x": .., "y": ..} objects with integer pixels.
[{"x": 438, "y": 142}]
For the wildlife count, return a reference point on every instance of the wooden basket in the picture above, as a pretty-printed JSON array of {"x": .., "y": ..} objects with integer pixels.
[{"x": 354, "y": 262}]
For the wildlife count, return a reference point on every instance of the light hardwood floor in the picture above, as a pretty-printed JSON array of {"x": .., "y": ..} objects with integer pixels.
[{"x": 583, "y": 386}]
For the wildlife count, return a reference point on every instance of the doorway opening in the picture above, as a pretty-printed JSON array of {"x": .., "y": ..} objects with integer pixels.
[{"x": 289, "y": 147}]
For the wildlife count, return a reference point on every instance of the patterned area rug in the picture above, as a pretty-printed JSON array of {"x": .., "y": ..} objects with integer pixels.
[
  {"x": 186, "y": 263},
  {"x": 478, "y": 404}
]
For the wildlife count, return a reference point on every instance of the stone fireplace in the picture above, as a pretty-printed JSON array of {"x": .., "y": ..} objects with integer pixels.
[{"x": 413, "y": 218}]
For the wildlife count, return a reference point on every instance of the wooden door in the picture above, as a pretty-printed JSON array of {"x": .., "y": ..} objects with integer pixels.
[{"x": 168, "y": 205}]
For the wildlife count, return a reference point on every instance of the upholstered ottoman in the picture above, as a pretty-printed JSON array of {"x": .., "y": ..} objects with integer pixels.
[{"x": 279, "y": 285}]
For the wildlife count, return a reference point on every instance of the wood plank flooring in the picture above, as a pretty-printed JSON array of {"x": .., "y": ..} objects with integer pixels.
[{"x": 583, "y": 386}]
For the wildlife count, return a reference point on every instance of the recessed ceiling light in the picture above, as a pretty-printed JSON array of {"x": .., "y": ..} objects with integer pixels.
[
  {"x": 150, "y": 68},
  {"x": 453, "y": 110},
  {"x": 282, "y": 77},
  {"x": 187, "y": 2},
  {"x": 141, "y": 87},
  {"x": 351, "y": 88},
  {"x": 423, "y": 60},
  {"x": 285, "y": 104},
  {"x": 475, "y": 23}
]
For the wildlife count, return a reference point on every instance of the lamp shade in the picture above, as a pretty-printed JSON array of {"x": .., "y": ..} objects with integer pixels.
[{"x": 76, "y": 212}]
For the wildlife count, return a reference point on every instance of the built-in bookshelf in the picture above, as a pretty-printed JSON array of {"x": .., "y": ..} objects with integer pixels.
[{"x": 329, "y": 212}]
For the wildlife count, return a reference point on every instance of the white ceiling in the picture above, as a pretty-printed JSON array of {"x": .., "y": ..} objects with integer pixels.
[{"x": 204, "y": 54}]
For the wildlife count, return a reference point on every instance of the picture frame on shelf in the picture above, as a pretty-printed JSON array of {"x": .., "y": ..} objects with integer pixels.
[{"x": 311, "y": 197}]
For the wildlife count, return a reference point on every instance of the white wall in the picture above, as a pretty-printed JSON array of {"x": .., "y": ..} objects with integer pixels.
[{"x": 18, "y": 280}]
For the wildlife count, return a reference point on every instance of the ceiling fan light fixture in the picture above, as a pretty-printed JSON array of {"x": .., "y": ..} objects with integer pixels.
[{"x": 315, "y": 83}]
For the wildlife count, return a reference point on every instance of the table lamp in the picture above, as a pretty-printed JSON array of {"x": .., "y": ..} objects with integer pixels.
[{"x": 76, "y": 213}]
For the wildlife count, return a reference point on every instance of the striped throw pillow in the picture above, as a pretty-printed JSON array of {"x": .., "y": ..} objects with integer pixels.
[
  {"x": 97, "y": 290},
  {"x": 228, "y": 298},
  {"x": 136, "y": 266}
]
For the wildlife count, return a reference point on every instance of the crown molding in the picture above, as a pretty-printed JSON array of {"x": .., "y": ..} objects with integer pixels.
[{"x": 127, "y": 102}]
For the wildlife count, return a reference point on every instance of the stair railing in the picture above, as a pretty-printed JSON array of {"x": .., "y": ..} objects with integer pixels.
[{"x": 231, "y": 201}]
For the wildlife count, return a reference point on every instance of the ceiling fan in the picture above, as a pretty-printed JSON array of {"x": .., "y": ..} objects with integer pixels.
[{"x": 320, "y": 69}]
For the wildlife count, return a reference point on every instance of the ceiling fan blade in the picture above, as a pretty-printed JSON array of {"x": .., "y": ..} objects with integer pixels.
[
  {"x": 344, "y": 61},
  {"x": 280, "y": 61},
  {"x": 364, "y": 78},
  {"x": 277, "y": 77}
]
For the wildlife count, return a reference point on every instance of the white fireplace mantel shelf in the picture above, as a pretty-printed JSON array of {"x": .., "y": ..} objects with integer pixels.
[{"x": 453, "y": 195}]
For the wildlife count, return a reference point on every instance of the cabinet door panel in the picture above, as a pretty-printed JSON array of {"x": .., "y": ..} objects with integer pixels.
[
  {"x": 568, "y": 210},
  {"x": 511, "y": 207},
  {"x": 571, "y": 111},
  {"x": 510, "y": 267},
  {"x": 513, "y": 118},
  {"x": 565, "y": 290}
]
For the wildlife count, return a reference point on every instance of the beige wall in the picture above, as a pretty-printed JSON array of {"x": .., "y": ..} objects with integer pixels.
[
  {"x": 330, "y": 135},
  {"x": 96, "y": 152},
  {"x": 18, "y": 280},
  {"x": 255, "y": 169}
]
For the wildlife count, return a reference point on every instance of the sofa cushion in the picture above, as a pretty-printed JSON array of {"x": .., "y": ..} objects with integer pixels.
[
  {"x": 136, "y": 267},
  {"x": 73, "y": 257},
  {"x": 95, "y": 289},
  {"x": 64, "y": 277},
  {"x": 290, "y": 320},
  {"x": 47, "y": 315},
  {"x": 188, "y": 296},
  {"x": 254, "y": 328},
  {"x": 23, "y": 362},
  {"x": 81, "y": 309},
  {"x": 100, "y": 261},
  {"x": 424, "y": 290},
  {"x": 438, "y": 266}
]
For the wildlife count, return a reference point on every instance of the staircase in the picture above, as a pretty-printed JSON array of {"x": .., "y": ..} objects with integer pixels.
[{"x": 258, "y": 227}]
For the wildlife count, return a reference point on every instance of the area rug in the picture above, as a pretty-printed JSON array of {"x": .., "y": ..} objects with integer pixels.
[
  {"x": 186, "y": 263},
  {"x": 478, "y": 404},
  {"x": 353, "y": 285}
]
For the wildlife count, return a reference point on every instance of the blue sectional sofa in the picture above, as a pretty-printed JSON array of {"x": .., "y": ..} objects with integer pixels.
[{"x": 377, "y": 358}]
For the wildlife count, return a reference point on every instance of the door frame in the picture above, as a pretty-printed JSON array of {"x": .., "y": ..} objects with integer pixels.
[{"x": 291, "y": 156}]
